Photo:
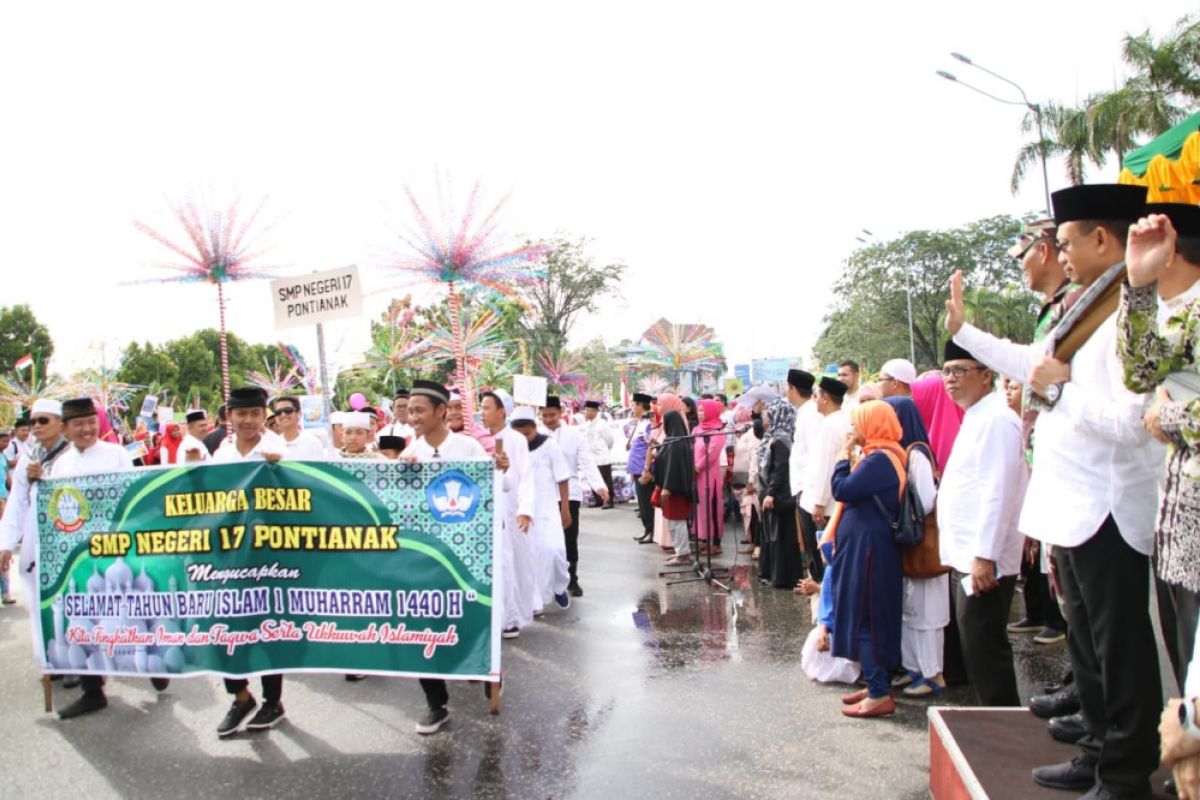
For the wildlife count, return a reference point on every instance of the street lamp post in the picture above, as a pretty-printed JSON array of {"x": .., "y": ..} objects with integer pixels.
[
  {"x": 912, "y": 346},
  {"x": 1024, "y": 101}
]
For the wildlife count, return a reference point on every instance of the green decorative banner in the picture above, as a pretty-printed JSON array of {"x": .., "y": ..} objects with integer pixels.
[{"x": 237, "y": 569}]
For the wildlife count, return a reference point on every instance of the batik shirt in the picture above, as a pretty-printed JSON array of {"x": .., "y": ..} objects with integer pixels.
[{"x": 1151, "y": 348}]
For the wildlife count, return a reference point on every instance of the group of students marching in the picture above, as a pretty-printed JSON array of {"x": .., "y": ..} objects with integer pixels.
[{"x": 539, "y": 461}]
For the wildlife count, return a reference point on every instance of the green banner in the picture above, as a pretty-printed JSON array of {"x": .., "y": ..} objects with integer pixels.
[{"x": 236, "y": 569}]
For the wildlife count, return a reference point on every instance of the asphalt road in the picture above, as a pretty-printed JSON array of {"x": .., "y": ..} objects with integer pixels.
[{"x": 638, "y": 690}]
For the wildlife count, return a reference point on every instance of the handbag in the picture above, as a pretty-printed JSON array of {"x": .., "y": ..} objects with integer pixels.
[
  {"x": 924, "y": 559},
  {"x": 656, "y": 497}
]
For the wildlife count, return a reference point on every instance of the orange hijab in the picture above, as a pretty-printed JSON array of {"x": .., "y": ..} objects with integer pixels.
[{"x": 877, "y": 423}]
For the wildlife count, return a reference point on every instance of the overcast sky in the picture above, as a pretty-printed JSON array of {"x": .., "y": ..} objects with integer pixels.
[{"x": 727, "y": 153}]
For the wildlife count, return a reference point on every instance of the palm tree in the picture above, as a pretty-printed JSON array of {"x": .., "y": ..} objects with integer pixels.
[
  {"x": 1067, "y": 132},
  {"x": 1164, "y": 85},
  {"x": 1008, "y": 313}
]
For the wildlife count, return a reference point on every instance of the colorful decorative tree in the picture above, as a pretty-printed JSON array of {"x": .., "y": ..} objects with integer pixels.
[
  {"x": 278, "y": 378},
  {"x": 219, "y": 249},
  {"x": 563, "y": 371},
  {"x": 681, "y": 348},
  {"x": 463, "y": 252},
  {"x": 398, "y": 346},
  {"x": 654, "y": 385}
]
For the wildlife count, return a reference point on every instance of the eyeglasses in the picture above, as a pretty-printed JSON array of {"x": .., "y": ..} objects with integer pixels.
[
  {"x": 40, "y": 421},
  {"x": 285, "y": 410},
  {"x": 1065, "y": 244},
  {"x": 886, "y": 378},
  {"x": 958, "y": 370}
]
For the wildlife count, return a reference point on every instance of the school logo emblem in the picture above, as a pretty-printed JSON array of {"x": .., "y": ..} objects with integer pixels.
[
  {"x": 452, "y": 497},
  {"x": 68, "y": 509}
]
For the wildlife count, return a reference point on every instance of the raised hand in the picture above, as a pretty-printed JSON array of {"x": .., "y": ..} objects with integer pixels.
[
  {"x": 1150, "y": 247},
  {"x": 954, "y": 306}
]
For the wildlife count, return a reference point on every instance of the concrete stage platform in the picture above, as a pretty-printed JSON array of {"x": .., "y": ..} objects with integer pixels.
[{"x": 989, "y": 752}]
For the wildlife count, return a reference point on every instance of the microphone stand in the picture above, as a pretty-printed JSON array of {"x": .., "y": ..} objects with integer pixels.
[{"x": 703, "y": 569}]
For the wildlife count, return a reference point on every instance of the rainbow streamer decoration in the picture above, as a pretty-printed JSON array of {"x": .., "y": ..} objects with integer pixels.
[
  {"x": 682, "y": 348},
  {"x": 218, "y": 248},
  {"x": 465, "y": 251}
]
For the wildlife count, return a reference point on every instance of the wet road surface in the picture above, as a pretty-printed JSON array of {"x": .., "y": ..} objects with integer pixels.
[{"x": 638, "y": 690}]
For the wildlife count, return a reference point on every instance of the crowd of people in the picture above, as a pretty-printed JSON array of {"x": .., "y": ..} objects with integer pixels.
[{"x": 905, "y": 509}]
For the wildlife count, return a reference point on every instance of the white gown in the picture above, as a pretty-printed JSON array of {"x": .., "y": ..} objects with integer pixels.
[
  {"x": 519, "y": 565},
  {"x": 549, "y": 543}
]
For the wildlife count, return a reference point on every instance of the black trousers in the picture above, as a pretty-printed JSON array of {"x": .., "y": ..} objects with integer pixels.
[
  {"x": 437, "y": 694},
  {"x": 987, "y": 652},
  {"x": 606, "y": 474},
  {"x": 812, "y": 552},
  {"x": 272, "y": 687},
  {"x": 1040, "y": 606},
  {"x": 1106, "y": 584},
  {"x": 1177, "y": 613},
  {"x": 645, "y": 510},
  {"x": 571, "y": 534}
]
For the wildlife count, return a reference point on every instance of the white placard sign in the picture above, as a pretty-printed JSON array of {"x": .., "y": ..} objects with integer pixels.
[
  {"x": 529, "y": 390},
  {"x": 317, "y": 297}
]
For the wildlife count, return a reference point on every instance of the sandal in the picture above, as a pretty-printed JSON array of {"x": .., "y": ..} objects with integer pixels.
[
  {"x": 924, "y": 687},
  {"x": 911, "y": 676},
  {"x": 679, "y": 561}
]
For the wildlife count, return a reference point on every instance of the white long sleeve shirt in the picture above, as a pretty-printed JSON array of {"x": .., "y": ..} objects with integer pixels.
[
  {"x": 305, "y": 447},
  {"x": 579, "y": 460},
  {"x": 979, "y": 501},
  {"x": 100, "y": 457},
  {"x": 600, "y": 439},
  {"x": 518, "y": 481},
  {"x": 1093, "y": 457},
  {"x": 808, "y": 426},
  {"x": 817, "y": 489},
  {"x": 268, "y": 444}
]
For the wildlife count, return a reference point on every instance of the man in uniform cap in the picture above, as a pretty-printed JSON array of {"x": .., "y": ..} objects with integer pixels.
[
  {"x": 579, "y": 460},
  {"x": 1093, "y": 492},
  {"x": 816, "y": 490},
  {"x": 800, "y": 385},
  {"x": 1157, "y": 343}
]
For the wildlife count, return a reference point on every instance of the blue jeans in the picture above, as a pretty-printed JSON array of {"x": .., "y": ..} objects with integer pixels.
[{"x": 879, "y": 682}]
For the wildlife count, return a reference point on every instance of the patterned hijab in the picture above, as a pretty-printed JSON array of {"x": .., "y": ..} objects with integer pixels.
[{"x": 781, "y": 424}]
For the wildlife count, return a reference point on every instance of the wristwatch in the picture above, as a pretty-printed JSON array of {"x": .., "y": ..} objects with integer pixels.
[
  {"x": 1187, "y": 717},
  {"x": 1053, "y": 392}
]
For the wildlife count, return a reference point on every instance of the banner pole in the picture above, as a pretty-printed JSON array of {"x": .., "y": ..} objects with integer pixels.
[{"x": 325, "y": 401}]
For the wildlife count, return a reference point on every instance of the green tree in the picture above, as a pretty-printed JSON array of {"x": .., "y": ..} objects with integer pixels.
[
  {"x": 149, "y": 366},
  {"x": 868, "y": 320},
  {"x": 1010, "y": 313},
  {"x": 20, "y": 335},
  {"x": 598, "y": 364},
  {"x": 572, "y": 284},
  {"x": 1067, "y": 133}
]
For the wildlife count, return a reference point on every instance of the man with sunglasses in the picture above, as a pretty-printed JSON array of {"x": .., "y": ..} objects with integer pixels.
[
  {"x": 1093, "y": 493},
  {"x": 19, "y": 522},
  {"x": 301, "y": 445}
]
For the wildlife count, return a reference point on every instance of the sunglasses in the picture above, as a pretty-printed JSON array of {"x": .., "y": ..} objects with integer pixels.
[
  {"x": 40, "y": 421},
  {"x": 286, "y": 411}
]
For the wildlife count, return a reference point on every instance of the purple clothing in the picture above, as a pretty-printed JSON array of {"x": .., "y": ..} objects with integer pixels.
[{"x": 638, "y": 447}]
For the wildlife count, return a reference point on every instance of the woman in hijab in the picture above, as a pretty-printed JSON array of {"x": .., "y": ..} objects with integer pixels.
[
  {"x": 675, "y": 478},
  {"x": 666, "y": 404},
  {"x": 941, "y": 415},
  {"x": 780, "y": 561},
  {"x": 745, "y": 457},
  {"x": 868, "y": 592},
  {"x": 710, "y": 476},
  {"x": 692, "y": 417},
  {"x": 926, "y": 600}
]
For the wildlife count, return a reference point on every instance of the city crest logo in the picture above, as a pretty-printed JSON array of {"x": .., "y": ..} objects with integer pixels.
[
  {"x": 452, "y": 497},
  {"x": 68, "y": 509}
]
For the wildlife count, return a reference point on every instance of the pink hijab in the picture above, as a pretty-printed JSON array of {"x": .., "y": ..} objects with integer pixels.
[
  {"x": 941, "y": 415},
  {"x": 712, "y": 415}
]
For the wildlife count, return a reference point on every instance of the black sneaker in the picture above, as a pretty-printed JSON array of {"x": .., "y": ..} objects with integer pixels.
[
  {"x": 270, "y": 715},
  {"x": 510, "y": 633},
  {"x": 433, "y": 721},
  {"x": 575, "y": 590},
  {"x": 236, "y": 716},
  {"x": 160, "y": 684},
  {"x": 563, "y": 600},
  {"x": 86, "y": 704},
  {"x": 1049, "y": 636}
]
